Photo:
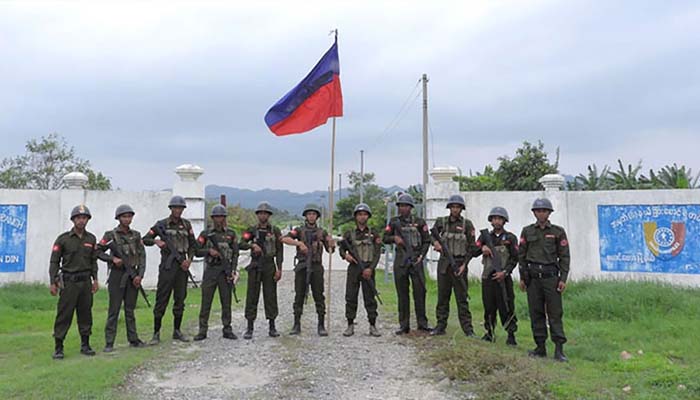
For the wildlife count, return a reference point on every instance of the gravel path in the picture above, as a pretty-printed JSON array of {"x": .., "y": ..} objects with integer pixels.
[{"x": 293, "y": 367}]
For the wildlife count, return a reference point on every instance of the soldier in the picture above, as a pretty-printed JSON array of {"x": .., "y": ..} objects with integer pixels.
[
  {"x": 73, "y": 275},
  {"x": 496, "y": 282},
  {"x": 125, "y": 275},
  {"x": 310, "y": 241},
  {"x": 219, "y": 247},
  {"x": 544, "y": 268},
  {"x": 367, "y": 245},
  {"x": 175, "y": 232},
  {"x": 410, "y": 234},
  {"x": 457, "y": 233},
  {"x": 267, "y": 254}
]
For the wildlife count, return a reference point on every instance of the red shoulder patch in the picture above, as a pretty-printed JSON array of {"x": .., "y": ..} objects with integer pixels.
[
  {"x": 425, "y": 228},
  {"x": 56, "y": 248},
  {"x": 246, "y": 235},
  {"x": 103, "y": 241},
  {"x": 522, "y": 240},
  {"x": 387, "y": 229},
  {"x": 201, "y": 239},
  {"x": 150, "y": 232},
  {"x": 478, "y": 243},
  {"x": 293, "y": 232},
  {"x": 564, "y": 243}
]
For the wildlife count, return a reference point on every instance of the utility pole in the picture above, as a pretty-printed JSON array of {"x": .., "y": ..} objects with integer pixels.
[
  {"x": 425, "y": 140},
  {"x": 362, "y": 176}
]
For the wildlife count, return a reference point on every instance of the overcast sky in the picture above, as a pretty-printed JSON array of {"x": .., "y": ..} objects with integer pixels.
[{"x": 141, "y": 88}]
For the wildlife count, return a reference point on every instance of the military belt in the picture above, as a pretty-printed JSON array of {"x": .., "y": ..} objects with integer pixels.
[
  {"x": 542, "y": 271},
  {"x": 76, "y": 276}
]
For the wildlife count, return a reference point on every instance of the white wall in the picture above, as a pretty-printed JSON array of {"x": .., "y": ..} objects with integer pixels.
[{"x": 576, "y": 211}]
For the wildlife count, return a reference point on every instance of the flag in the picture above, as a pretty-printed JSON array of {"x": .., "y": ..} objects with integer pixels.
[{"x": 310, "y": 103}]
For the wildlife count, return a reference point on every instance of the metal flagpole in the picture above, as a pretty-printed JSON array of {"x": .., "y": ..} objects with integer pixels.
[{"x": 330, "y": 224}]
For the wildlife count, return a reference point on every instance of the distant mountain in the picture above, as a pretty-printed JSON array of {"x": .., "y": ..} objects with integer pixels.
[{"x": 283, "y": 199}]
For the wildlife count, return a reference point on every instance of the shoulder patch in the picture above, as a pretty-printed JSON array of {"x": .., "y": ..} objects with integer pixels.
[
  {"x": 564, "y": 243},
  {"x": 56, "y": 248},
  {"x": 201, "y": 239},
  {"x": 522, "y": 240},
  {"x": 293, "y": 233},
  {"x": 387, "y": 229},
  {"x": 246, "y": 235}
]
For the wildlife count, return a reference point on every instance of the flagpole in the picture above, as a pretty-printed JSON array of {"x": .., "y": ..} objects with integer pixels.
[{"x": 330, "y": 223}]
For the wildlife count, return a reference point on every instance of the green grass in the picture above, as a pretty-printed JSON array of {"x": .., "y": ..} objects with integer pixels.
[
  {"x": 601, "y": 319},
  {"x": 27, "y": 314}
]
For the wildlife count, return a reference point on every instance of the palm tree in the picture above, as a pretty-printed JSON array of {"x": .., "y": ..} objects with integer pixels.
[
  {"x": 628, "y": 178},
  {"x": 593, "y": 180},
  {"x": 672, "y": 177}
]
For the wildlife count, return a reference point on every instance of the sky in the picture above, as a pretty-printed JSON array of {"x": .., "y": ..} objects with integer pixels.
[{"x": 139, "y": 88}]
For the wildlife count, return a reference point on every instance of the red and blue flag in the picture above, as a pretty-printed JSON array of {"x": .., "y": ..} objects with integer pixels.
[{"x": 310, "y": 103}]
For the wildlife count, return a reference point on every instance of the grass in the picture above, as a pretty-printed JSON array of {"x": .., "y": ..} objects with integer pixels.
[
  {"x": 655, "y": 323},
  {"x": 26, "y": 344},
  {"x": 601, "y": 320}
]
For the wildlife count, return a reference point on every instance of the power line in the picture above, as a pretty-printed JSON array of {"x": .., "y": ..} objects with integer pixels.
[{"x": 412, "y": 97}]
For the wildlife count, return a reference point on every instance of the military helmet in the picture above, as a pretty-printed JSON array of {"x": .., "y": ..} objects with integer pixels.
[
  {"x": 264, "y": 206},
  {"x": 123, "y": 209},
  {"x": 80, "y": 210},
  {"x": 219, "y": 211},
  {"x": 311, "y": 207},
  {"x": 498, "y": 212},
  {"x": 542, "y": 204},
  {"x": 177, "y": 201},
  {"x": 362, "y": 207},
  {"x": 456, "y": 199},
  {"x": 405, "y": 198}
]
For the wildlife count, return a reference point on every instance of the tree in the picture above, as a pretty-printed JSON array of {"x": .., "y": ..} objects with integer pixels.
[
  {"x": 526, "y": 168},
  {"x": 373, "y": 196},
  {"x": 486, "y": 181},
  {"x": 673, "y": 177},
  {"x": 44, "y": 165},
  {"x": 594, "y": 180},
  {"x": 628, "y": 178}
]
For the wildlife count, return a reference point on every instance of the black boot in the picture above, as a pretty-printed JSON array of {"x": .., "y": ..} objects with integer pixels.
[
  {"x": 559, "y": 352},
  {"x": 109, "y": 347},
  {"x": 273, "y": 331},
  {"x": 200, "y": 336},
  {"x": 155, "y": 339},
  {"x": 296, "y": 329},
  {"x": 85, "y": 346},
  {"x": 488, "y": 337},
  {"x": 228, "y": 333},
  {"x": 58, "y": 350},
  {"x": 438, "y": 331},
  {"x": 322, "y": 326},
  {"x": 249, "y": 330},
  {"x": 539, "y": 351},
  {"x": 177, "y": 333},
  {"x": 402, "y": 330},
  {"x": 511, "y": 339}
]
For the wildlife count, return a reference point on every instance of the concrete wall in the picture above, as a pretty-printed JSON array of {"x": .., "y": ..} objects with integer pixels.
[
  {"x": 576, "y": 211},
  {"x": 48, "y": 215}
]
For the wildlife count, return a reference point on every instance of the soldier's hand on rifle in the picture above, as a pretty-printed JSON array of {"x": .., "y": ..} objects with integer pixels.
[
  {"x": 437, "y": 247},
  {"x": 398, "y": 241},
  {"x": 161, "y": 244},
  {"x": 486, "y": 251},
  {"x": 367, "y": 274},
  {"x": 523, "y": 286},
  {"x": 235, "y": 277},
  {"x": 95, "y": 286},
  {"x": 499, "y": 276},
  {"x": 302, "y": 248},
  {"x": 561, "y": 287},
  {"x": 117, "y": 261},
  {"x": 419, "y": 260},
  {"x": 53, "y": 289},
  {"x": 461, "y": 269},
  {"x": 137, "y": 281},
  {"x": 256, "y": 249},
  {"x": 186, "y": 264},
  {"x": 214, "y": 253},
  {"x": 278, "y": 275},
  {"x": 349, "y": 258}
]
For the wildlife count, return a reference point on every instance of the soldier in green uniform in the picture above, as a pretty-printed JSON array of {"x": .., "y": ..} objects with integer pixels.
[
  {"x": 73, "y": 277},
  {"x": 318, "y": 240},
  {"x": 216, "y": 270},
  {"x": 457, "y": 233},
  {"x": 265, "y": 269},
  {"x": 414, "y": 236},
  {"x": 172, "y": 276},
  {"x": 497, "y": 286},
  {"x": 544, "y": 268},
  {"x": 121, "y": 288},
  {"x": 367, "y": 245}
]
